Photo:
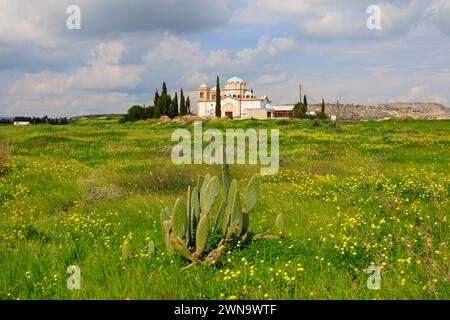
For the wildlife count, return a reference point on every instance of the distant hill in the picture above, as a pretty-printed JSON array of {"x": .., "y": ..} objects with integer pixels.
[
  {"x": 397, "y": 110},
  {"x": 98, "y": 117}
]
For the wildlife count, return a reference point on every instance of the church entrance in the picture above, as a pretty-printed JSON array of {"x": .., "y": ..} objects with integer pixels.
[{"x": 229, "y": 110}]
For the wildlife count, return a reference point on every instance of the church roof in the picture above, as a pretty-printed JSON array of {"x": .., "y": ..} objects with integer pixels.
[
  {"x": 203, "y": 85},
  {"x": 233, "y": 93},
  {"x": 235, "y": 80}
]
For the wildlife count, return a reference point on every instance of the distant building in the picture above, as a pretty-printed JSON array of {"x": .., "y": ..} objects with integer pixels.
[
  {"x": 282, "y": 111},
  {"x": 237, "y": 101},
  {"x": 22, "y": 123}
]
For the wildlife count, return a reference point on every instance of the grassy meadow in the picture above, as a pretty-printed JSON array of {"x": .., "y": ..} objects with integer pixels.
[{"x": 366, "y": 193}]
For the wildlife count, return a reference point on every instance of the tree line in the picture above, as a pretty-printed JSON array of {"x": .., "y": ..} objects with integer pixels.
[
  {"x": 163, "y": 105},
  {"x": 36, "y": 120}
]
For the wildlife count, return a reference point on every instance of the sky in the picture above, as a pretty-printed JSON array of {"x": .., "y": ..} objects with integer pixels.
[{"x": 126, "y": 49}]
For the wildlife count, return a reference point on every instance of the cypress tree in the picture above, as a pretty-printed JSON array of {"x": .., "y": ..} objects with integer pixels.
[
  {"x": 305, "y": 102},
  {"x": 156, "y": 99},
  {"x": 164, "y": 103},
  {"x": 188, "y": 105},
  {"x": 173, "y": 109},
  {"x": 176, "y": 106},
  {"x": 157, "y": 110},
  {"x": 183, "y": 110},
  {"x": 323, "y": 106},
  {"x": 218, "y": 100}
]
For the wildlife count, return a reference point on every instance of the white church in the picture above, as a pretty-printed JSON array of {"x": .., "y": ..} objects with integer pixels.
[{"x": 236, "y": 100}]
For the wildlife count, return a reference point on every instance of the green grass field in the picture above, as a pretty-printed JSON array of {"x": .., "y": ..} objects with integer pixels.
[{"x": 366, "y": 193}]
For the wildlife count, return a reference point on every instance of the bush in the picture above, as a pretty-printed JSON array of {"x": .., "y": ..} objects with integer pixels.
[
  {"x": 321, "y": 116},
  {"x": 300, "y": 110},
  {"x": 316, "y": 123},
  {"x": 156, "y": 179},
  {"x": 4, "y": 154}
]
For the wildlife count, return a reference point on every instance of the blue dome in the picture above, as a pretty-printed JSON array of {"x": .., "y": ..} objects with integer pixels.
[
  {"x": 235, "y": 80},
  {"x": 204, "y": 86}
]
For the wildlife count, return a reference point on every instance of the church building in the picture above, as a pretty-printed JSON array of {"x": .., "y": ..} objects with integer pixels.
[{"x": 237, "y": 101}]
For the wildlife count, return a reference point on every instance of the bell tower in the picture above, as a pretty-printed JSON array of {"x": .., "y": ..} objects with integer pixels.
[{"x": 202, "y": 100}]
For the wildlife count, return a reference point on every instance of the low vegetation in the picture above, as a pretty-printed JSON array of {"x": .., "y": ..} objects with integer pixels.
[{"x": 90, "y": 194}]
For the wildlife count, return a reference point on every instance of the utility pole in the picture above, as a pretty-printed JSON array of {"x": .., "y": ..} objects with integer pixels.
[
  {"x": 300, "y": 93},
  {"x": 337, "y": 109}
]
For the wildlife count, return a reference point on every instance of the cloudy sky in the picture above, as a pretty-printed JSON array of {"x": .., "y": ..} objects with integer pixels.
[{"x": 125, "y": 49}]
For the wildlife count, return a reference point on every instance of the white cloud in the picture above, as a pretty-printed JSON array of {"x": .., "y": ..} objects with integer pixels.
[
  {"x": 439, "y": 15},
  {"x": 327, "y": 20},
  {"x": 184, "y": 61},
  {"x": 103, "y": 70},
  {"x": 40, "y": 84},
  {"x": 273, "y": 44},
  {"x": 73, "y": 93},
  {"x": 271, "y": 78},
  {"x": 71, "y": 103}
]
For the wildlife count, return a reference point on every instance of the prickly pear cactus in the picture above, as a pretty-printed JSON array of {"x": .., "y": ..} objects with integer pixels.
[
  {"x": 202, "y": 235},
  {"x": 179, "y": 219},
  {"x": 189, "y": 225}
]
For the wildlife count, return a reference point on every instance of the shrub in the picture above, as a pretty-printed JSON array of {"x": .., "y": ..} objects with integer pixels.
[
  {"x": 156, "y": 179},
  {"x": 321, "y": 116}
]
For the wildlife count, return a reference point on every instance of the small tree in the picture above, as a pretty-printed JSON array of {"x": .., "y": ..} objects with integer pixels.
[
  {"x": 218, "y": 100},
  {"x": 157, "y": 110},
  {"x": 323, "y": 106},
  {"x": 149, "y": 112},
  {"x": 183, "y": 110},
  {"x": 188, "y": 105},
  {"x": 134, "y": 114},
  {"x": 156, "y": 99},
  {"x": 305, "y": 104},
  {"x": 298, "y": 110},
  {"x": 173, "y": 109},
  {"x": 164, "y": 103}
]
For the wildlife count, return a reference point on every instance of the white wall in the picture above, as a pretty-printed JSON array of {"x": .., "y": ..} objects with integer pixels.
[{"x": 251, "y": 105}]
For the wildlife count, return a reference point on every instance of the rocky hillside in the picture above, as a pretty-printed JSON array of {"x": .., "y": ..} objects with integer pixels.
[{"x": 398, "y": 110}]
